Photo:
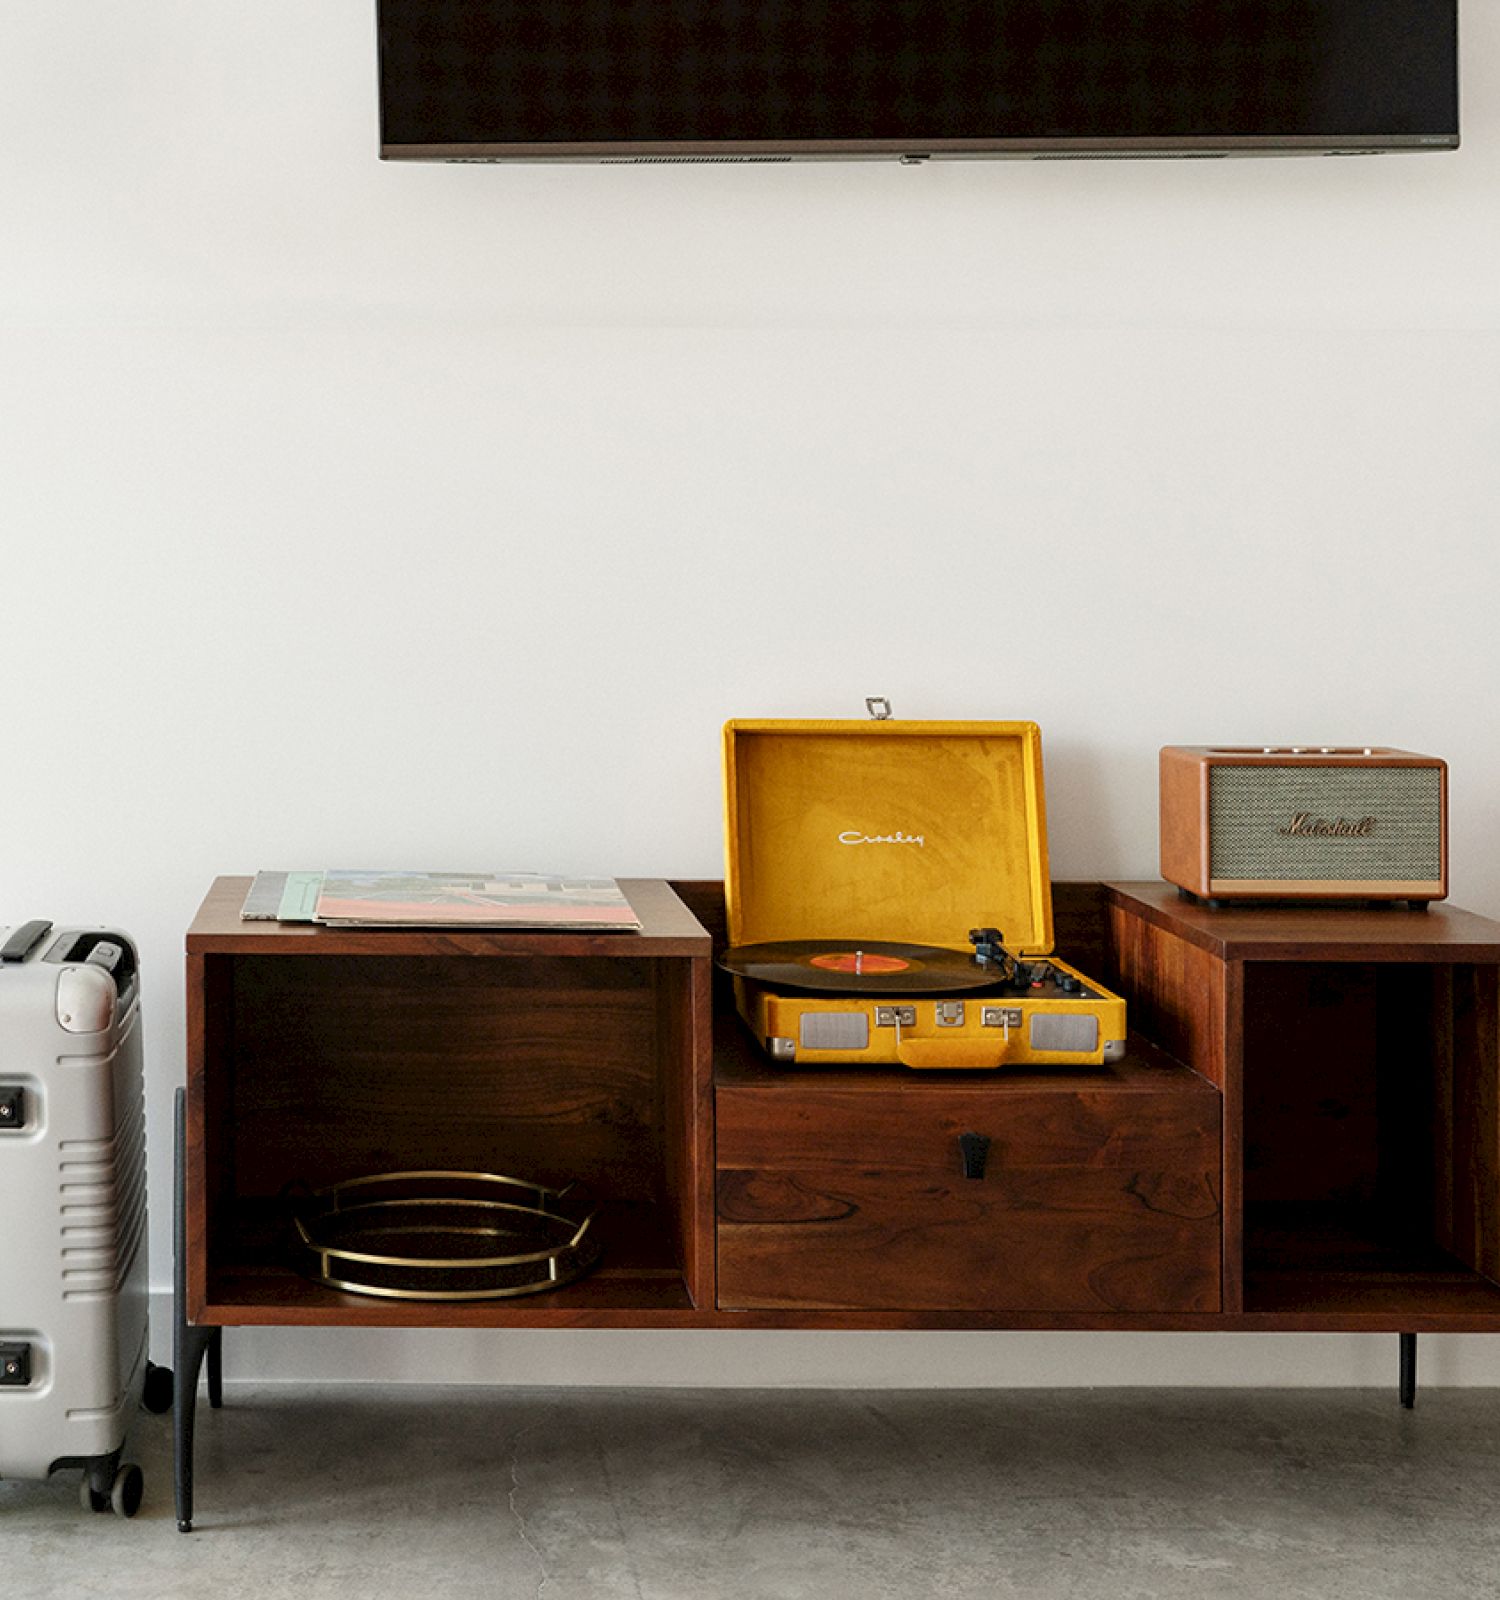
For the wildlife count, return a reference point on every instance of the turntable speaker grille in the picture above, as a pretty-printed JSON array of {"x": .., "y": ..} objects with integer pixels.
[
  {"x": 1056, "y": 1030},
  {"x": 834, "y": 1030}
]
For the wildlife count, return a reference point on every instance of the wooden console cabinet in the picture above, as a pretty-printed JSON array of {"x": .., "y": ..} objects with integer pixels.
[{"x": 1304, "y": 1133}]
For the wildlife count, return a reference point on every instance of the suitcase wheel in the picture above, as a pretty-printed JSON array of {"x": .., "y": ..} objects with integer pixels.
[
  {"x": 123, "y": 1496},
  {"x": 156, "y": 1391},
  {"x": 125, "y": 1493}
]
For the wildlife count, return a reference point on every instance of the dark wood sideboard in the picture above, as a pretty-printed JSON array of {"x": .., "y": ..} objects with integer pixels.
[{"x": 1303, "y": 1135}]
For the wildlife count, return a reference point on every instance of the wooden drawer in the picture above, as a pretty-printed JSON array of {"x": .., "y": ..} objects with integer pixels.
[{"x": 1100, "y": 1192}]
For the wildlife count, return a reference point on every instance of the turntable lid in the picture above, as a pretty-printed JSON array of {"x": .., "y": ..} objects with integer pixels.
[{"x": 906, "y": 831}]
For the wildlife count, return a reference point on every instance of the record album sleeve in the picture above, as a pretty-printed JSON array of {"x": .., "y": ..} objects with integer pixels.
[{"x": 473, "y": 900}]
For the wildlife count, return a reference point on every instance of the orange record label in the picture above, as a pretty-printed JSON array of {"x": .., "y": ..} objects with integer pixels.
[{"x": 858, "y": 961}]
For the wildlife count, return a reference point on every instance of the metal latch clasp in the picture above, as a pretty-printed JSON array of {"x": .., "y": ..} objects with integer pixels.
[{"x": 878, "y": 707}]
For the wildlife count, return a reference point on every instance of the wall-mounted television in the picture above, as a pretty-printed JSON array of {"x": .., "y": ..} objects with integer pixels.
[{"x": 777, "y": 80}]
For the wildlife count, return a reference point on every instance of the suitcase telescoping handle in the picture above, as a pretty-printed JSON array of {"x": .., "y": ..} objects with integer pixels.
[{"x": 24, "y": 940}]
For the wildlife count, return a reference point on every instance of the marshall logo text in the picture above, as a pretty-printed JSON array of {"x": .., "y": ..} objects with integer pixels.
[{"x": 1306, "y": 825}]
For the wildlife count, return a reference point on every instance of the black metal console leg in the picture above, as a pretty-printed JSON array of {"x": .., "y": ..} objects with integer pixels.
[
  {"x": 1408, "y": 1370},
  {"x": 216, "y": 1368},
  {"x": 189, "y": 1344}
]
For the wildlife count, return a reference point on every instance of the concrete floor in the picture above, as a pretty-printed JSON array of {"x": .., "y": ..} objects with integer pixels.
[{"x": 456, "y": 1494}]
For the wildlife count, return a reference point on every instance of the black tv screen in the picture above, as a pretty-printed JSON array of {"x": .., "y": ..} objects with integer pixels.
[{"x": 591, "y": 79}]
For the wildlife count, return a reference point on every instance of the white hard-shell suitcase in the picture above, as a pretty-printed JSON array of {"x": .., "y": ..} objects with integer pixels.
[{"x": 73, "y": 1283}]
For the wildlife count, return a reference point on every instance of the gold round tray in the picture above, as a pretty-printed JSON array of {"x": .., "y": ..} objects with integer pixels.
[{"x": 444, "y": 1235}]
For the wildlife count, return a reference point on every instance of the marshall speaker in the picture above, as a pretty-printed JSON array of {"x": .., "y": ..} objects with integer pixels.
[{"x": 1304, "y": 822}]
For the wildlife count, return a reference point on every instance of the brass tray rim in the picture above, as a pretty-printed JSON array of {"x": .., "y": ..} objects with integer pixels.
[{"x": 565, "y": 1261}]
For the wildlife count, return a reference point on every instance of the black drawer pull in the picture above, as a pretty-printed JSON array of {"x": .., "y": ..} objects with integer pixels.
[{"x": 975, "y": 1149}]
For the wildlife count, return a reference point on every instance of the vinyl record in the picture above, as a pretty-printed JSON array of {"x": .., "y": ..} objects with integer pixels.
[{"x": 845, "y": 966}]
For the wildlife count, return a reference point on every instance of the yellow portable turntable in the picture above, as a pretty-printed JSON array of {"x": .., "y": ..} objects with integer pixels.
[{"x": 889, "y": 902}]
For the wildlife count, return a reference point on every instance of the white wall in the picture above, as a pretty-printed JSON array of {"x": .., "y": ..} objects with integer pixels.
[{"x": 363, "y": 513}]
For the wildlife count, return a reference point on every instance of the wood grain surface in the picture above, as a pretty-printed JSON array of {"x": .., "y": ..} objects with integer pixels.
[
  {"x": 1188, "y": 1001},
  {"x": 1111, "y": 1196},
  {"x": 1093, "y": 1198},
  {"x": 1316, "y": 933}
]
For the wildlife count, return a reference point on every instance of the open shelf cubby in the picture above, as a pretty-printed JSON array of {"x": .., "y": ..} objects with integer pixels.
[
  {"x": 1358, "y": 1051},
  {"x": 321, "y": 1055},
  {"x": 1371, "y": 1166}
]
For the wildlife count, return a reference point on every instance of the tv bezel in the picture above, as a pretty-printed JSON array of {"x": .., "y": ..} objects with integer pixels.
[
  {"x": 774, "y": 150},
  {"x": 916, "y": 153}
]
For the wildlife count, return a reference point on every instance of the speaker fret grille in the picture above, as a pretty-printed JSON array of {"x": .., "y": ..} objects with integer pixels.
[{"x": 1251, "y": 810}]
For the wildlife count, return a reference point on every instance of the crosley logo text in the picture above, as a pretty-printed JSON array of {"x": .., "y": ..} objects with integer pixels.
[
  {"x": 854, "y": 836},
  {"x": 1305, "y": 824}
]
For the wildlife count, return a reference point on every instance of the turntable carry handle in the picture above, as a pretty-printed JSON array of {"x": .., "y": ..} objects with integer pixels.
[{"x": 948, "y": 1055}]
